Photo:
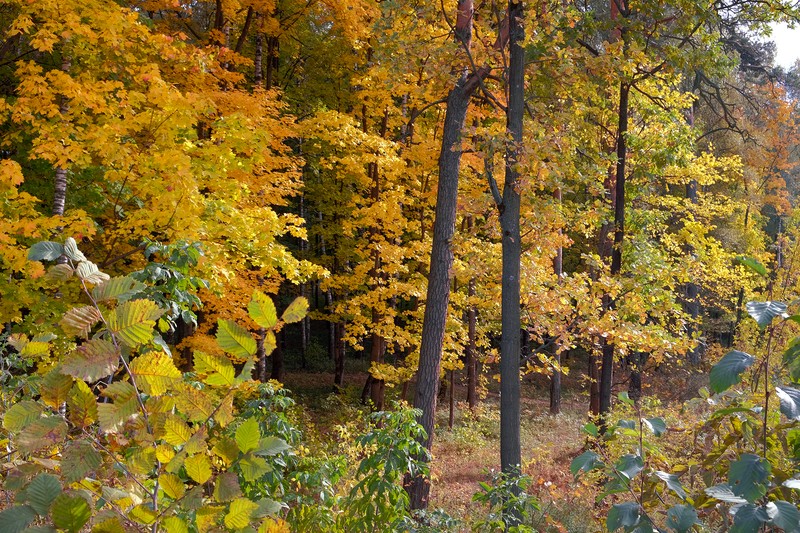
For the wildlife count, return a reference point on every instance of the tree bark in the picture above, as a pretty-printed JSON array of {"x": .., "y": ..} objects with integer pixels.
[
  {"x": 510, "y": 449},
  {"x": 471, "y": 352},
  {"x": 555, "y": 380},
  {"x": 60, "y": 179}
]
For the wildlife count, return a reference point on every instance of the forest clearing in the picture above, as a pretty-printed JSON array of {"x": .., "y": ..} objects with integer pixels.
[{"x": 415, "y": 266}]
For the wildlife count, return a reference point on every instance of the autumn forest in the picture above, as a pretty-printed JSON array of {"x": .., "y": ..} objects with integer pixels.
[{"x": 371, "y": 266}]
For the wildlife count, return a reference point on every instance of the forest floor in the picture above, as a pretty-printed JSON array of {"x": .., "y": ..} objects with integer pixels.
[{"x": 469, "y": 452}]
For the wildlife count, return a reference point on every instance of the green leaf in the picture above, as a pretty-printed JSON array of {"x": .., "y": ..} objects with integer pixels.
[
  {"x": 748, "y": 476},
  {"x": 623, "y": 515},
  {"x": 728, "y": 370},
  {"x": 253, "y": 467},
  {"x": 70, "y": 512},
  {"x": 296, "y": 311},
  {"x": 71, "y": 250},
  {"x": 142, "y": 514},
  {"x": 749, "y": 519},
  {"x": 119, "y": 288},
  {"x": 262, "y": 310},
  {"x": 79, "y": 321},
  {"x": 235, "y": 340},
  {"x": 724, "y": 493},
  {"x": 673, "y": 483},
  {"x": 629, "y": 465},
  {"x": 42, "y": 491},
  {"x": 765, "y": 312},
  {"x": 790, "y": 402},
  {"x": 155, "y": 373},
  {"x": 272, "y": 446},
  {"x": 21, "y": 414},
  {"x": 267, "y": 507},
  {"x": 682, "y": 518},
  {"x": 60, "y": 272},
  {"x": 45, "y": 251},
  {"x": 133, "y": 321},
  {"x": 15, "y": 519},
  {"x": 624, "y": 398},
  {"x": 42, "y": 433},
  {"x": 592, "y": 429},
  {"x": 752, "y": 264},
  {"x": 79, "y": 459},
  {"x": 92, "y": 360},
  {"x": 657, "y": 425},
  {"x": 113, "y": 415},
  {"x": 248, "y": 435},
  {"x": 240, "y": 512},
  {"x": 784, "y": 515},
  {"x": 586, "y": 461}
]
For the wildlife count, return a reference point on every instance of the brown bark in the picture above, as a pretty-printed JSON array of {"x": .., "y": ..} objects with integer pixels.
[{"x": 555, "y": 380}]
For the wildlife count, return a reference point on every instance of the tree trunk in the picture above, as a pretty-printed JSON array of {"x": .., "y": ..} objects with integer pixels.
[
  {"x": 607, "y": 370},
  {"x": 338, "y": 362},
  {"x": 277, "y": 358},
  {"x": 472, "y": 355},
  {"x": 510, "y": 450},
  {"x": 261, "y": 356},
  {"x": 258, "y": 69},
  {"x": 555, "y": 380},
  {"x": 692, "y": 303},
  {"x": 60, "y": 180}
]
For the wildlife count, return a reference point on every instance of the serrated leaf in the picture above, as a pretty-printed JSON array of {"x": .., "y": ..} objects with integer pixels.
[
  {"x": 784, "y": 515},
  {"x": 113, "y": 415},
  {"x": 45, "y": 251},
  {"x": 60, "y": 272},
  {"x": 79, "y": 321},
  {"x": 21, "y": 414},
  {"x": 752, "y": 264},
  {"x": 217, "y": 369},
  {"x": 682, "y": 518},
  {"x": 296, "y": 311},
  {"x": 70, "y": 512},
  {"x": 765, "y": 312},
  {"x": 227, "y": 450},
  {"x": 15, "y": 519},
  {"x": 748, "y": 476},
  {"x": 790, "y": 402},
  {"x": 193, "y": 403},
  {"x": 41, "y": 433},
  {"x": 267, "y": 507},
  {"x": 586, "y": 461},
  {"x": 728, "y": 370},
  {"x": 175, "y": 524},
  {"x": 35, "y": 349},
  {"x": 241, "y": 510},
  {"x": 71, "y": 250},
  {"x": 592, "y": 429},
  {"x": 673, "y": 483},
  {"x": 79, "y": 459},
  {"x": 262, "y": 310},
  {"x": 142, "y": 514},
  {"x": 624, "y": 398},
  {"x": 749, "y": 519},
  {"x": 227, "y": 487},
  {"x": 248, "y": 435},
  {"x": 92, "y": 360},
  {"x": 657, "y": 425},
  {"x": 112, "y": 524},
  {"x": 235, "y": 340},
  {"x": 155, "y": 373},
  {"x": 55, "y": 388},
  {"x": 118, "y": 288},
  {"x": 253, "y": 467},
  {"x": 41, "y": 492},
  {"x": 133, "y": 321},
  {"x": 81, "y": 405},
  {"x": 623, "y": 515},
  {"x": 88, "y": 272},
  {"x": 198, "y": 468},
  {"x": 272, "y": 446},
  {"x": 176, "y": 431}
]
